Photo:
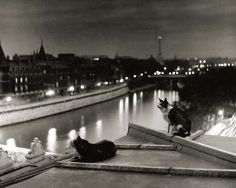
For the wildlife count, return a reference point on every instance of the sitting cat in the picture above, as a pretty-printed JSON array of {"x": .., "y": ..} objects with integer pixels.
[
  {"x": 178, "y": 119},
  {"x": 89, "y": 152}
]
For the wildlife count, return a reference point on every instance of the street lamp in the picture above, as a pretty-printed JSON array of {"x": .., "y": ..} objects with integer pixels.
[
  {"x": 8, "y": 99},
  {"x": 50, "y": 93},
  {"x": 82, "y": 87},
  {"x": 71, "y": 89}
]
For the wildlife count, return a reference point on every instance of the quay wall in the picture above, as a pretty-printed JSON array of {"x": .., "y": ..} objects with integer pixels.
[{"x": 28, "y": 112}]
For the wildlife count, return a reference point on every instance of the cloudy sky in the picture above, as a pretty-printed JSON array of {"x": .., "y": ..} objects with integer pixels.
[{"x": 128, "y": 27}]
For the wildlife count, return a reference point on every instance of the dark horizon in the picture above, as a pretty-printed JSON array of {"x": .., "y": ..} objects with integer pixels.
[{"x": 129, "y": 28}]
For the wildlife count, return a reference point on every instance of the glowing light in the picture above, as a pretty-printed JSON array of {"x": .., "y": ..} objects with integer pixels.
[
  {"x": 106, "y": 83},
  {"x": 11, "y": 143},
  {"x": 164, "y": 68},
  {"x": 121, "y": 80},
  {"x": 141, "y": 74},
  {"x": 82, "y": 87},
  {"x": 82, "y": 132},
  {"x": 134, "y": 76},
  {"x": 71, "y": 89},
  {"x": 126, "y": 78},
  {"x": 126, "y": 105},
  {"x": 52, "y": 131},
  {"x": 51, "y": 139},
  {"x": 135, "y": 99},
  {"x": 99, "y": 128},
  {"x": 221, "y": 112},
  {"x": 72, "y": 134},
  {"x": 99, "y": 84},
  {"x": 99, "y": 123},
  {"x": 141, "y": 94},
  {"x": 50, "y": 92},
  {"x": 8, "y": 99},
  {"x": 121, "y": 106},
  {"x": 96, "y": 58}
]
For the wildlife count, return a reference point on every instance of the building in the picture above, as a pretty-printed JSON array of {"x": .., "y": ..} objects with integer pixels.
[{"x": 38, "y": 72}]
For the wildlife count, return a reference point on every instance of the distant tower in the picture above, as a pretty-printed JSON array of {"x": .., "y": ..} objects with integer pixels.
[
  {"x": 159, "y": 54},
  {"x": 42, "y": 54}
]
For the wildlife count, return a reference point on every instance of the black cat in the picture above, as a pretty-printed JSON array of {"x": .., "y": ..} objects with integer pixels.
[
  {"x": 89, "y": 152},
  {"x": 178, "y": 119}
]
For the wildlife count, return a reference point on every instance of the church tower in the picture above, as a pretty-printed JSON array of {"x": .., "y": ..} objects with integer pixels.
[{"x": 42, "y": 56}]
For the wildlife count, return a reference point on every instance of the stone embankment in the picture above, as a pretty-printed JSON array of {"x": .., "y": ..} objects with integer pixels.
[{"x": 27, "y": 112}]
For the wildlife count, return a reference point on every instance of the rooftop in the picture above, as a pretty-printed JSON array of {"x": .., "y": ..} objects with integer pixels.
[{"x": 145, "y": 158}]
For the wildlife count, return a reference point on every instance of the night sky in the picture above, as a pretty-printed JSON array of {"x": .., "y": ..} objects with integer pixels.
[{"x": 189, "y": 28}]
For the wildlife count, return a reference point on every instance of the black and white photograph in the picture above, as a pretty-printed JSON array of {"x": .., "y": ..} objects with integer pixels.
[{"x": 118, "y": 93}]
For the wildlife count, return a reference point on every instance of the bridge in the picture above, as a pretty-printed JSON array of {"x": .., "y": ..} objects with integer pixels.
[{"x": 170, "y": 81}]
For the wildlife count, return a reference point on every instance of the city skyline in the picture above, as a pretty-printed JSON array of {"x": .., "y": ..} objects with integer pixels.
[{"x": 129, "y": 28}]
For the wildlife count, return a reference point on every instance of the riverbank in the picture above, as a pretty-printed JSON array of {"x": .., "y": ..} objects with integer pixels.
[
  {"x": 149, "y": 86},
  {"x": 22, "y": 113}
]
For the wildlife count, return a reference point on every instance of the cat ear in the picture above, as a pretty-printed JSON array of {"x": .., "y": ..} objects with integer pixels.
[
  {"x": 78, "y": 137},
  {"x": 160, "y": 100},
  {"x": 165, "y": 100}
]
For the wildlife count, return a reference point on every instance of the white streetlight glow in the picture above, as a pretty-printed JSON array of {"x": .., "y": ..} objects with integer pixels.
[
  {"x": 71, "y": 89},
  {"x": 8, "y": 99},
  {"x": 50, "y": 92},
  {"x": 221, "y": 112},
  {"x": 82, "y": 87}
]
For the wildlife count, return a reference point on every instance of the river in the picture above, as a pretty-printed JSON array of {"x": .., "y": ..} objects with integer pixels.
[{"x": 107, "y": 120}]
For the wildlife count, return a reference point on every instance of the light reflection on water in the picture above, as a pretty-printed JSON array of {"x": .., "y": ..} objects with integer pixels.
[
  {"x": 107, "y": 120},
  {"x": 11, "y": 144},
  {"x": 51, "y": 139}
]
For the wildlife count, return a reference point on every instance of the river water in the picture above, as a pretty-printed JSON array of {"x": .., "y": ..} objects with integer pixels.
[{"x": 107, "y": 120}]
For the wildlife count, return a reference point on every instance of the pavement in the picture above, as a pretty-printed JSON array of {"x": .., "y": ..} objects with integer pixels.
[
  {"x": 70, "y": 178},
  {"x": 221, "y": 142}
]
